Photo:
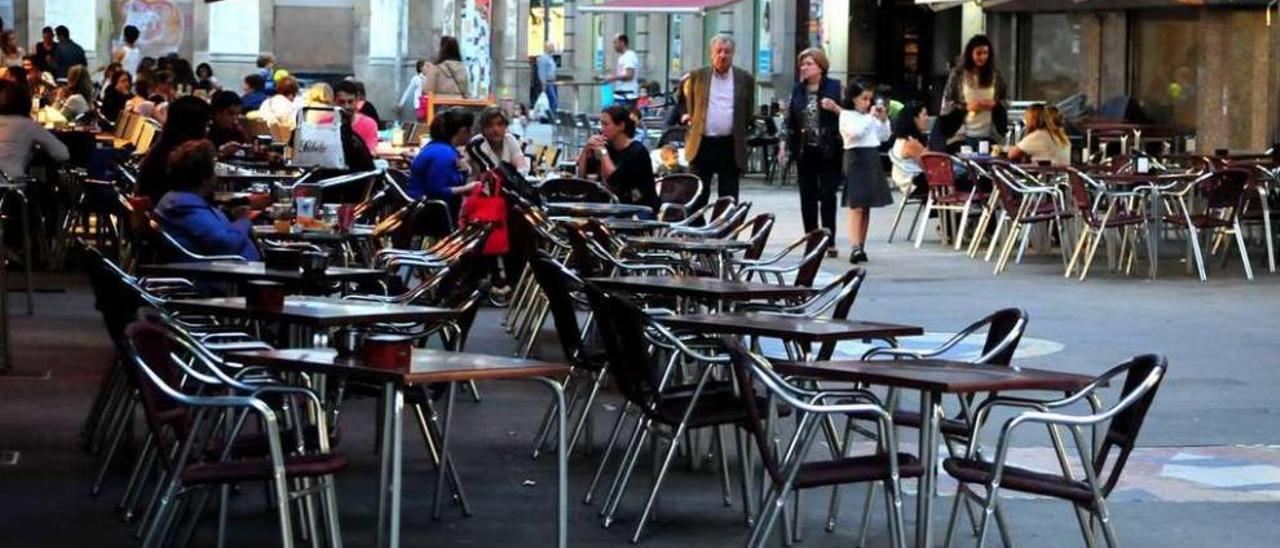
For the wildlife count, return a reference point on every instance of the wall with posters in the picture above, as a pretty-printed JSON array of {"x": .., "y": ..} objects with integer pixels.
[{"x": 164, "y": 25}]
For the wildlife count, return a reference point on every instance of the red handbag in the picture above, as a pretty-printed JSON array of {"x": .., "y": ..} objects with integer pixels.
[
  {"x": 424, "y": 101},
  {"x": 485, "y": 204}
]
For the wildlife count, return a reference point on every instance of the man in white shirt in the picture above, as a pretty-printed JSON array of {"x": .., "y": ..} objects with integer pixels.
[
  {"x": 721, "y": 102},
  {"x": 626, "y": 73},
  {"x": 128, "y": 54}
]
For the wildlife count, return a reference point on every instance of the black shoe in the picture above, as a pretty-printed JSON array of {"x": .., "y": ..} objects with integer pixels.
[
  {"x": 832, "y": 253},
  {"x": 857, "y": 255}
]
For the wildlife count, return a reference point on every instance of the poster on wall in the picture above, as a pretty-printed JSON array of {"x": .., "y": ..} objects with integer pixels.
[
  {"x": 597, "y": 34},
  {"x": 816, "y": 34},
  {"x": 162, "y": 24},
  {"x": 476, "y": 45},
  {"x": 764, "y": 26},
  {"x": 677, "y": 44}
]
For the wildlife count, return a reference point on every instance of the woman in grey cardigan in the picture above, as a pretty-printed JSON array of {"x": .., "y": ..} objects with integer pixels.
[{"x": 974, "y": 101}]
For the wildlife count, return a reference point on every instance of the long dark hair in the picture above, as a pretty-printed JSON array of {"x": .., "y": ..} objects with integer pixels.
[
  {"x": 188, "y": 120},
  {"x": 856, "y": 87},
  {"x": 449, "y": 50},
  {"x": 986, "y": 74},
  {"x": 904, "y": 126}
]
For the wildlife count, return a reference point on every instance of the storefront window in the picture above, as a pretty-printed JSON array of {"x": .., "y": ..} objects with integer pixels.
[
  {"x": 546, "y": 23},
  {"x": 1053, "y": 66},
  {"x": 1165, "y": 54}
]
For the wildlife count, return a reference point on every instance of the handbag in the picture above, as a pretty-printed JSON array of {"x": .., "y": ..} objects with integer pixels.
[
  {"x": 485, "y": 204},
  {"x": 318, "y": 143}
]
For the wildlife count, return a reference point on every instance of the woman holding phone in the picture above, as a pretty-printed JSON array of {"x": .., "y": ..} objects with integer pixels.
[{"x": 862, "y": 127}]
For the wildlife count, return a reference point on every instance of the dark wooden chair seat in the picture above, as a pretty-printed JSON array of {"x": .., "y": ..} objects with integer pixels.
[
  {"x": 855, "y": 470},
  {"x": 260, "y": 469},
  {"x": 1021, "y": 479}
]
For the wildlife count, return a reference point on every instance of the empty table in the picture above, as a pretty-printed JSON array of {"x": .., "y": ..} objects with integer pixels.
[
  {"x": 706, "y": 289},
  {"x": 620, "y": 225},
  {"x": 594, "y": 209},
  {"x": 804, "y": 331},
  {"x": 240, "y": 272},
  {"x": 427, "y": 366},
  {"x": 933, "y": 378},
  {"x": 315, "y": 312},
  {"x": 719, "y": 248}
]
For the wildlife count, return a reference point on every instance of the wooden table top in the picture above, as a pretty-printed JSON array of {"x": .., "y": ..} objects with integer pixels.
[
  {"x": 618, "y": 224},
  {"x": 231, "y": 271},
  {"x": 942, "y": 376},
  {"x": 269, "y": 232},
  {"x": 427, "y": 366},
  {"x": 315, "y": 311},
  {"x": 705, "y": 288},
  {"x": 687, "y": 244},
  {"x": 789, "y": 327},
  {"x": 595, "y": 209}
]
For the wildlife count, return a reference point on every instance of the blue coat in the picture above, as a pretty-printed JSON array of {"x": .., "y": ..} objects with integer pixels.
[
  {"x": 828, "y": 122},
  {"x": 202, "y": 228},
  {"x": 434, "y": 173}
]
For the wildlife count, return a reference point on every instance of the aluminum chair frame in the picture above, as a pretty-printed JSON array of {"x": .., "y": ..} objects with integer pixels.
[
  {"x": 941, "y": 189},
  {"x": 814, "y": 245}
]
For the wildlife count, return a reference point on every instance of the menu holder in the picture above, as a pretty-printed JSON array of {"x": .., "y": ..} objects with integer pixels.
[
  {"x": 387, "y": 351},
  {"x": 264, "y": 294},
  {"x": 282, "y": 259}
]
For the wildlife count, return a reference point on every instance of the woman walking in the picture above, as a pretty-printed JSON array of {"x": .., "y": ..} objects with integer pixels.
[
  {"x": 814, "y": 140},
  {"x": 863, "y": 127}
]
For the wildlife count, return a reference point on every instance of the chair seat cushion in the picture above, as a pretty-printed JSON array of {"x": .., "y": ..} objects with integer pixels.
[
  {"x": 260, "y": 469},
  {"x": 949, "y": 427},
  {"x": 957, "y": 198},
  {"x": 855, "y": 469},
  {"x": 717, "y": 405},
  {"x": 1020, "y": 479},
  {"x": 1199, "y": 221}
]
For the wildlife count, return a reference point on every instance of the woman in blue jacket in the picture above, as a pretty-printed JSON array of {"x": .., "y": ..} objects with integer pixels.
[
  {"x": 185, "y": 212},
  {"x": 437, "y": 171},
  {"x": 814, "y": 141}
]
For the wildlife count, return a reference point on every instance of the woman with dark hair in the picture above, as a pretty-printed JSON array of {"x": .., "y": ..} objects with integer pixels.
[
  {"x": 973, "y": 101},
  {"x": 447, "y": 76},
  {"x": 205, "y": 79},
  {"x": 42, "y": 52},
  {"x": 184, "y": 78},
  {"x": 188, "y": 120},
  {"x": 116, "y": 95},
  {"x": 814, "y": 141},
  {"x": 437, "y": 171},
  {"x": 622, "y": 162},
  {"x": 19, "y": 133},
  {"x": 185, "y": 211},
  {"x": 863, "y": 127},
  {"x": 363, "y": 106},
  {"x": 494, "y": 145},
  {"x": 908, "y": 144}
]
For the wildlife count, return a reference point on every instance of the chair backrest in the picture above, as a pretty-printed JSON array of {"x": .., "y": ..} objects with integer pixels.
[
  {"x": 1145, "y": 372},
  {"x": 843, "y": 293},
  {"x": 683, "y": 189},
  {"x": 559, "y": 284},
  {"x": 575, "y": 190},
  {"x": 815, "y": 249},
  {"x": 1004, "y": 332},
  {"x": 721, "y": 205},
  {"x": 1227, "y": 189},
  {"x": 761, "y": 228},
  {"x": 584, "y": 256},
  {"x": 148, "y": 349},
  {"x": 1009, "y": 195},
  {"x": 743, "y": 366},
  {"x": 937, "y": 170},
  {"x": 622, "y": 330}
]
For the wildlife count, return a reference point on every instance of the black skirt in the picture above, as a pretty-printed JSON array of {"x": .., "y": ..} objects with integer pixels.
[{"x": 865, "y": 184}]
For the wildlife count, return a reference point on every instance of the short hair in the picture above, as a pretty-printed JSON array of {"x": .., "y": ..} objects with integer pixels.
[
  {"x": 493, "y": 114},
  {"x": 287, "y": 86},
  {"x": 348, "y": 87},
  {"x": 62, "y": 31},
  {"x": 131, "y": 34},
  {"x": 819, "y": 58},
  {"x": 623, "y": 38},
  {"x": 223, "y": 100},
  {"x": 15, "y": 98},
  {"x": 46, "y": 30},
  {"x": 265, "y": 60},
  {"x": 255, "y": 82},
  {"x": 418, "y": 66},
  {"x": 190, "y": 164},
  {"x": 724, "y": 39},
  {"x": 448, "y": 123},
  {"x": 620, "y": 115}
]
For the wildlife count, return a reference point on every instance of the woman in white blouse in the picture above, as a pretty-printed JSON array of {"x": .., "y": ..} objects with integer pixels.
[
  {"x": 19, "y": 133},
  {"x": 1043, "y": 139},
  {"x": 863, "y": 127},
  {"x": 413, "y": 92}
]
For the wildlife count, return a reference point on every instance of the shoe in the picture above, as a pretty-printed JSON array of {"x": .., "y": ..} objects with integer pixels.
[
  {"x": 832, "y": 253},
  {"x": 857, "y": 255},
  {"x": 500, "y": 296}
]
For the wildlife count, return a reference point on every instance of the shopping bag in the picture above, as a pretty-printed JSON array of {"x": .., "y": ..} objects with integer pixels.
[{"x": 318, "y": 140}]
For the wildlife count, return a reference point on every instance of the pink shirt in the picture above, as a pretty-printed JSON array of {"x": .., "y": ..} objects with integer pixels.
[{"x": 367, "y": 129}]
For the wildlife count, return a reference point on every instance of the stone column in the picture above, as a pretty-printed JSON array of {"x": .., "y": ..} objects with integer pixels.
[
  {"x": 1104, "y": 47},
  {"x": 972, "y": 21}
]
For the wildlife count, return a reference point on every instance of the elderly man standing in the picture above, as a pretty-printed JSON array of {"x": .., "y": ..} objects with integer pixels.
[
  {"x": 720, "y": 99},
  {"x": 547, "y": 75}
]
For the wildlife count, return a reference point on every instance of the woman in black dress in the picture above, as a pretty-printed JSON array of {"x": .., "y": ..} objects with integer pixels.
[{"x": 863, "y": 127}]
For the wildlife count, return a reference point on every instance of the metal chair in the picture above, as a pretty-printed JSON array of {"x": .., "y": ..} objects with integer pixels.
[
  {"x": 1116, "y": 215},
  {"x": 1224, "y": 195},
  {"x": 575, "y": 190},
  {"x": 1088, "y": 495},
  {"x": 812, "y": 247},
  {"x": 945, "y": 197},
  {"x": 1022, "y": 206},
  {"x": 678, "y": 192},
  {"x": 760, "y": 227},
  {"x": 790, "y": 472}
]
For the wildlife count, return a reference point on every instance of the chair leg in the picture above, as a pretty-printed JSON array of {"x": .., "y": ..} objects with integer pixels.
[
  {"x": 924, "y": 221},
  {"x": 744, "y": 462},
  {"x": 657, "y": 483},
  {"x": 623, "y": 476},
  {"x": 1244, "y": 251},
  {"x": 116, "y": 438},
  {"x": 584, "y": 418},
  {"x": 1088, "y": 258},
  {"x": 1193, "y": 235},
  {"x": 604, "y": 459},
  {"x": 898, "y": 218},
  {"x": 964, "y": 223}
]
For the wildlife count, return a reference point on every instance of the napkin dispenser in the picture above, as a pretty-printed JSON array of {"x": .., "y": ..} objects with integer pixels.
[
  {"x": 264, "y": 294},
  {"x": 282, "y": 258},
  {"x": 313, "y": 263},
  {"x": 387, "y": 351}
]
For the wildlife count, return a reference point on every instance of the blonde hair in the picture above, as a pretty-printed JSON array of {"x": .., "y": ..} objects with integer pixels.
[
  {"x": 819, "y": 58},
  {"x": 318, "y": 94},
  {"x": 1048, "y": 119}
]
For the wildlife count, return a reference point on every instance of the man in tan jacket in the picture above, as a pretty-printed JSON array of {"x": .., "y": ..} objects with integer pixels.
[{"x": 721, "y": 100}]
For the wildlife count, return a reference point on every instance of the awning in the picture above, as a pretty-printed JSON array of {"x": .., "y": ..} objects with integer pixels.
[
  {"x": 685, "y": 7},
  {"x": 939, "y": 5},
  {"x": 1112, "y": 5}
]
